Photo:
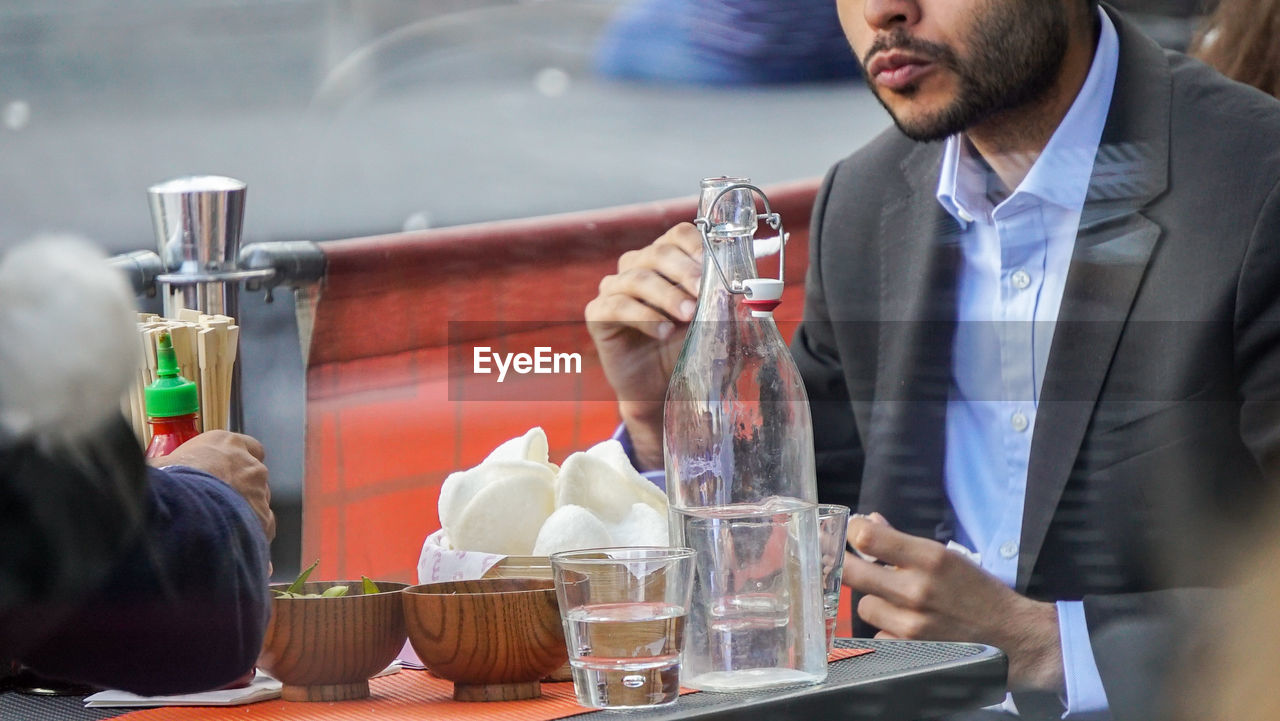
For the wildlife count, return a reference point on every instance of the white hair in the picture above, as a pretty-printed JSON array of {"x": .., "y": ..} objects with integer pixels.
[{"x": 68, "y": 340}]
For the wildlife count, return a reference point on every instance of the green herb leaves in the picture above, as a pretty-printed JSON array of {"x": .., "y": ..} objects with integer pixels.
[{"x": 294, "y": 590}]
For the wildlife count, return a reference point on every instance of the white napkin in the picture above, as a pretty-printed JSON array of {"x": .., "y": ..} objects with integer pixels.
[
  {"x": 263, "y": 688},
  {"x": 439, "y": 562}
]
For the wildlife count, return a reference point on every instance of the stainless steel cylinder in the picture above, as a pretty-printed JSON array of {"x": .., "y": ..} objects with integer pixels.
[{"x": 197, "y": 221}]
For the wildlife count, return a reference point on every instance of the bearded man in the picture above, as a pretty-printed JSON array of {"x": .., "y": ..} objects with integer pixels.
[{"x": 1040, "y": 324}]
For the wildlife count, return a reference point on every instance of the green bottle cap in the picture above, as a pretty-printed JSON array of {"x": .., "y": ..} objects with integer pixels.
[{"x": 171, "y": 394}]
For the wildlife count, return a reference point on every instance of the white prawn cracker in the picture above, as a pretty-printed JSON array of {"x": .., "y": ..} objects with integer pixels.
[
  {"x": 460, "y": 487},
  {"x": 642, "y": 526},
  {"x": 506, "y": 514},
  {"x": 586, "y": 480},
  {"x": 532, "y": 446},
  {"x": 571, "y": 528},
  {"x": 612, "y": 453}
]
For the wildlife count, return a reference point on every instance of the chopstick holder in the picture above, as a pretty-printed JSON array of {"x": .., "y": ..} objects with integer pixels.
[{"x": 205, "y": 348}]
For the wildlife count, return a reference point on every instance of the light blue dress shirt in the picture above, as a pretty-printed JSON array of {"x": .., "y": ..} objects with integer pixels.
[{"x": 1015, "y": 254}]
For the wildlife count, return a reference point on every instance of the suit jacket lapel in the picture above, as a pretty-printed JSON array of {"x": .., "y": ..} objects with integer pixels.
[
  {"x": 1112, "y": 249},
  {"x": 918, "y": 269}
]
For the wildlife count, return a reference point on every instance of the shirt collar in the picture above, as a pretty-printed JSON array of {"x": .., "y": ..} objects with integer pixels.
[{"x": 1061, "y": 174}]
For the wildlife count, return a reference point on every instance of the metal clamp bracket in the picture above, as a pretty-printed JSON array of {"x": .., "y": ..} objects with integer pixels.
[{"x": 762, "y": 295}]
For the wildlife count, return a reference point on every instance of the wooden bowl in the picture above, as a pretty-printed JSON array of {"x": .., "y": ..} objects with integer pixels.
[
  {"x": 325, "y": 649},
  {"x": 530, "y": 567},
  {"x": 495, "y": 638}
]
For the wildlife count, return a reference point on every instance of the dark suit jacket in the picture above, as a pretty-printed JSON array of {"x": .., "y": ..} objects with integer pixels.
[{"x": 1159, "y": 421}]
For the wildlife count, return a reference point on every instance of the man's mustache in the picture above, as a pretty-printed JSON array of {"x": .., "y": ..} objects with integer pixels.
[{"x": 899, "y": 39}]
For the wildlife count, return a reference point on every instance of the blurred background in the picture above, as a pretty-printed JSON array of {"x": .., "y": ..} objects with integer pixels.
[{"x": 360, "y": 117}]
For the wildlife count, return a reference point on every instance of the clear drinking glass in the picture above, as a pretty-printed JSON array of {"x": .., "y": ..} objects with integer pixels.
[
  {"x": 833, "y": 528},
  {"x": 624, "y": 612}
]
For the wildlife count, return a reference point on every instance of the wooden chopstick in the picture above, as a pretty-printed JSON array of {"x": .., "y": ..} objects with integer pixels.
[{"x": 205, "y": 348}]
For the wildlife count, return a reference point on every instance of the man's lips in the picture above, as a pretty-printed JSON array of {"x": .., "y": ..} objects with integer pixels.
[{"x": 895, "y": 69}]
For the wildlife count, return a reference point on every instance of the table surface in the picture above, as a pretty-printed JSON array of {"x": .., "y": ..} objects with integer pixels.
[{"x": 901, "y": 680}]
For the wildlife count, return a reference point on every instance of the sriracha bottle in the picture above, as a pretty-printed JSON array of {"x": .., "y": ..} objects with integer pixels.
[{"x": 172, "y": 403}]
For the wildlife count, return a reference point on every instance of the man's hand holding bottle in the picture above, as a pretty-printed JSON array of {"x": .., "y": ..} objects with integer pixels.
[
  {"x": 235, "y": 459},
  {"x": 638, "y": 322}
]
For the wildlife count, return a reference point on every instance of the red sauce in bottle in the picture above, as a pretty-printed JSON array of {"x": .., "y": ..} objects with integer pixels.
[{"x": 169, "y": 433}]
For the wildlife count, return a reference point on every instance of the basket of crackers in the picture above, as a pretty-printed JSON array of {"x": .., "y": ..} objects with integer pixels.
[{"x": 507, "y": 515}]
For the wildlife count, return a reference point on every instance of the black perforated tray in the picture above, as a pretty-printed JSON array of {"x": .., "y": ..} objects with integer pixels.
[{"x": 901, "y": 680}]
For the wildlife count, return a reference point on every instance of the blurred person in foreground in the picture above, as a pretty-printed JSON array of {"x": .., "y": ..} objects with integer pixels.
[
  {"x": 1041, "y": 323},
  {"x": 1242, "y": 40},
  {"x": 1236, "y": 678},
  {"x": 114, "y": 573}
]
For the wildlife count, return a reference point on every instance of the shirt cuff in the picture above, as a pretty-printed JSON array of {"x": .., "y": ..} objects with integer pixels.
[
  {"x": 658, "y": 478},
  {"x": 1086, "y": 698}
]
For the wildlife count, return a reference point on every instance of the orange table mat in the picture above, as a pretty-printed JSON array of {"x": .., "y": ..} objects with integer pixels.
[{"x": 405, "y": 696}]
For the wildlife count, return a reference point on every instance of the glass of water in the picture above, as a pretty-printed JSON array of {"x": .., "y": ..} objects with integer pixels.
[
  {"x": 833, "y": 527},
  {"x": 756, "y": 619},
  {"x": 624, "y": 612}
]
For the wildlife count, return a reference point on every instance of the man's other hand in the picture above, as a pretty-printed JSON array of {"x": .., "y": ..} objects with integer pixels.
[
  {"x": 927, "y": 592},
  {"x": 234, "y": 458}
]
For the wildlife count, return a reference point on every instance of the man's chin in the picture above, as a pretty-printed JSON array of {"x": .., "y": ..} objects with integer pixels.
[
  {"x": 921, "y": 124},
  {"x": 925, "y": 132},
  {"x": 926, "y": 127}
]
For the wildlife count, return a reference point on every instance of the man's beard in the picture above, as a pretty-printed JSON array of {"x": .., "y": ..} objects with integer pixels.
[{"x": 1016, "y": 50}]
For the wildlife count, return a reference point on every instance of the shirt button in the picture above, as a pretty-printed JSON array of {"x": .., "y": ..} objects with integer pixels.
[
  {"x": 1019, "y": 422},
  {"x": 1009, "y": 549},
  {"x": 1020, "y": 279}
]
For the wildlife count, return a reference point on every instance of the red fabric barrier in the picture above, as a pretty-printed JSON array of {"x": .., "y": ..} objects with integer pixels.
[{"x": 387, "y": 421}]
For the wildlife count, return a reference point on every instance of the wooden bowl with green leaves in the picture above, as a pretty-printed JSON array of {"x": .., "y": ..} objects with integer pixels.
[{"x": 325, "y": 647}]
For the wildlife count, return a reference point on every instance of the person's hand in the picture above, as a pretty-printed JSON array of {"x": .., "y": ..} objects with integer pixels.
[
  {"x": 234, "y": 458},
  {"x": 927, "y": 592},
  {"x": 637, "y": 322}
]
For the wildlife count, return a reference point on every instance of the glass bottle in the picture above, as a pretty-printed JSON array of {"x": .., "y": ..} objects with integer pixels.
[
  {"x": 738, "y": 447},
  {"x": 172, "y": 403}
]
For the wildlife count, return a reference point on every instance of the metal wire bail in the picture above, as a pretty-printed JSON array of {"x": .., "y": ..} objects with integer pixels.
[{"x": 773, "y": 219}]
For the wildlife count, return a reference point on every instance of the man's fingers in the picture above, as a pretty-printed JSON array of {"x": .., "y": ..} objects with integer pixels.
[
  {"x": 678, "y": 267},
  {"x": 261, "y": 503},
  {"x": 847, "y": 572},
  {"x": 893, "y": 622},
  {"x": 623, "y": 310},
  {"x": 653, "y": 289},
  {"x": 684, "y": 236},
  {"x": 677, "y": 255},
  {"x": 896, "y": 585},
  {"x": 269, "y": 524},
  {"x": 254, "y": 446},
  {"x": 892, "y": 546}
]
